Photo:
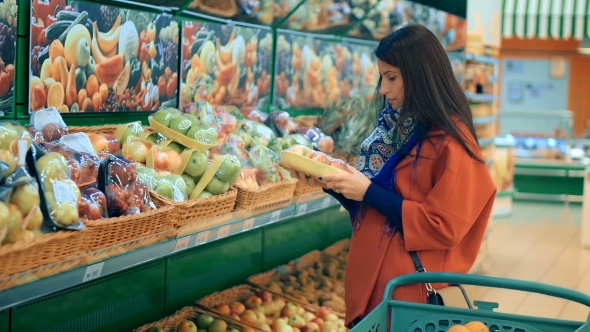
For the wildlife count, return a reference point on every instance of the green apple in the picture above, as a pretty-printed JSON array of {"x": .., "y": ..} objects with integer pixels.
[
  {"x": 229, "y": 170},
  {"x": 217, "y": 187},
  {"x": 205, "y": 194},
  {"x": 197, "y": 164},
  {"x": 195, "y": 122},
  {"x": 164, "y": 187},
  {"x": 190, "y": 183},
  {"x": 204, "y": 134},
  {"x": 187, "y": 326},
  {"x": 176, "y": 147},
  {"x": 180, "y": 124},
  {"x": 155, "y": 329},
  {"x": 180, "y": 187},
  {"x": 164, "y": 117},
  {"x": 133, "y": 129},
  {"x": 246, "y": 137},
  {"x": 204, "y": 321}
]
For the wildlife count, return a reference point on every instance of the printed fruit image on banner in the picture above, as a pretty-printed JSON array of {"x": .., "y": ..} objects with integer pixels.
[
  {"x": 8, "y": 20},
  {"x": 87, "y": 57},
  {"x": 312, "y": 72},
  {"x": 225, "y": 65}
]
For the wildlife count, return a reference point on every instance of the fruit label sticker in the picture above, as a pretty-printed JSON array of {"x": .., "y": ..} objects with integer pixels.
[
  {"x": 302, "y": 209},
  {"x": 326, "y": 202},
  {"x": 275, "y": 216},
  {"x": 93, "y": 272},
  {"x": 63, "y": 192},
  {"x": 202, "y": 238},
  {"x": 248, "y": 224},
  {"x": 223, "y": 232},
  {"x": 182, "y": 243},
  {"x": 22, "y": 151}
]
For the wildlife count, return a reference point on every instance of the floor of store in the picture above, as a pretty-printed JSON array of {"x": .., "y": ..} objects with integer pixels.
[{"x": 538, "y": 242}]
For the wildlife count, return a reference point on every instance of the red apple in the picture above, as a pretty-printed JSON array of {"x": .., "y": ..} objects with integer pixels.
[
  {"x": 289, "y": 310},
  {"x": 253, "y": 302},
  {"x": 114, "y": 146},
  {"x": 236, "y": 317},
  {"x": 249, "y": 317},
  {"x": 318, "y": 321},
  {"x": 323, "y": 312},
  {"x": 223, "y": 309},
  {"x": 312, "y": 327},
  {"x": 265, "y": 296},
  {"x": 237, "y": 308},
  {"x": 99, "y": 142},
  {"x": 321, "y": 158}
]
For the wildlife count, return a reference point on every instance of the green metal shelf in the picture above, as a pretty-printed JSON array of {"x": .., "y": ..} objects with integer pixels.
[{"x": 81, "y": 275}]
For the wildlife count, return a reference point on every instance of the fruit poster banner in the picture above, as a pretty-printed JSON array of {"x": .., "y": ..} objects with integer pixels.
[
  {"x": 88, "y": 58},
  {"x": 8, "y": 21},
  {"x": 225, "y": 64},
  {"x": 302, "y": 62},
  {"x": 450, "y": 29}
]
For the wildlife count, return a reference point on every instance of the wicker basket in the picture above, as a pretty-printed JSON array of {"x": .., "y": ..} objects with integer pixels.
[
  {"x": 266, "y": 195},
  {"x": 40, "y": 251},
  {"x": 301, "y": 189},
  {"x": 106, "y": 129},
  {"x": 239, "y": 294},
  {"x": 121, "y": 248},
  {"x": 203, "y": 224},
  {"x": 262, "y": 280},
  {"x": 184, "y": 213},
  {"x": 108, "y": 232},
  {"x": 168, "y": 324},
  {"x": 248, "y": 213},
  {"x": 223, "y": 8},
  {"x": 338, "y": 248}
]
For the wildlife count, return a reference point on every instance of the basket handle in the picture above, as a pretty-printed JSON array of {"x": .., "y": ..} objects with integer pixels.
[{"x": 487, "y": 281}]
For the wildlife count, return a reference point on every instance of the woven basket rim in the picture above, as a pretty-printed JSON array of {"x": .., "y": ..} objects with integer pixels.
[
  {"x": 37, "y": 240},
  {"x": 193, "y": 202},
  {"x": 104, "y": 221},
  {"x": 268, "y": 186}
]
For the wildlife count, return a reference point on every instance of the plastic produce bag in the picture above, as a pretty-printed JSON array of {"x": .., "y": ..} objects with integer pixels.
[
  {"x": 50, "y": 123},
  {"x": 141, "y": 196},
  {"x": 264, "y": 160},
  {"x": 83, "y": 167},
  {"x": 116, "y": 179},
  {"x": 58, "y": 192},
  {"x": 261, "y": 133},
  {"x": 282, "y": 123},
  {"x": 318, "y": 139},
  {"x": 93, "y": 204},
  {"x": 248, "y": 179}
]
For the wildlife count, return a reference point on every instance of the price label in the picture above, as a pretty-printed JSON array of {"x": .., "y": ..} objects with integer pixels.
[
  {"x": 302, "y": 209},
  {"x": 93, "y": 272},
  {"x": 22, "y": 146},
  {"x": 248, "y": 224},
  {"x": 275, "y": 216},
  {"x": 63, "y": 192},
  {"x": 223, "y": 232},
  {"x": 326, "y": 202},
  {"x": 182, "y": 243},
  {"x": 202, "y": 238}
]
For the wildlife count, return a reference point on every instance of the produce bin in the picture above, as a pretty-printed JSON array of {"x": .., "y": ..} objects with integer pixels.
[{"x": 417, "y": 317}]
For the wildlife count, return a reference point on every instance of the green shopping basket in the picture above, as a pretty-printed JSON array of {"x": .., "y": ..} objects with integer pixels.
[{"x": 418, "y": 317}]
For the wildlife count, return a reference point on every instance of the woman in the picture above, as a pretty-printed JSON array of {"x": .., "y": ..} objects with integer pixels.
[{"x": 420, "y": 183}]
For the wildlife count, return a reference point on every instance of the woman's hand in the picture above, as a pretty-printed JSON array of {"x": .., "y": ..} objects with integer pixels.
[
  {"x": 307, "y": 179},
  {"x": 352, "y": 185}
]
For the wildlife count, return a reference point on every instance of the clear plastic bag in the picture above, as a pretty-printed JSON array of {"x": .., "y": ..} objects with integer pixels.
[
  {"x": 50, "y": 123},
  {"x": 59, "y": 193},
  {"x": 83, "y": 167},
  {"x": 261, "y": 134},
  {"x": 116, "y": 179},
  {"x": 248, "y": 179},
  {"x": 93, "y": 204},
  {"x": 282, "y": 123},
  {"x": 264, "y": 160},
  {"x": 20, "y": 208}
]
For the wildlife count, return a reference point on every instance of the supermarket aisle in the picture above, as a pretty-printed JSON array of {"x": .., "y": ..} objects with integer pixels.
[{"x": 538, "y": 242}]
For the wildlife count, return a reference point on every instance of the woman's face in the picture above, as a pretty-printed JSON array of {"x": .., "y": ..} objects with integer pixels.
[{"x": 392, "y": 84}]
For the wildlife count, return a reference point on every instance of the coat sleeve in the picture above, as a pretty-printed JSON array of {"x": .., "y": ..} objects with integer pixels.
[{"x": 462, "y": 189}]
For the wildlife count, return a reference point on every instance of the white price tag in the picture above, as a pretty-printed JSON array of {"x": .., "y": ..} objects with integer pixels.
[
  {"x": 93, "y": 272},
  {"x": 182, "y": 243},
  {"x": 223, "y": 232},
  {"x": 202, "y": 238},
  {"x": 63, "y": 192},
  {"x": 275, "y": 216},
  {"x": 302, "y": 209},
  {"x": 326, "y": 202},
  {"x": 248, "y": 224},
  {"x": 22, "y": 151}
]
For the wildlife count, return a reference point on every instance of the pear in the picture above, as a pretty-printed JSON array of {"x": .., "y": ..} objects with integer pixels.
[
  {"x": 218, "y": 325},
  {"x": 15, "y": 218},
  {"x": 18, "y": 235},
  {"x": 35, "y": 219},
  {"x": 65, "y": 213},
  {"x": 4, "y": 213},
  {"x": 25, "y": 197}
]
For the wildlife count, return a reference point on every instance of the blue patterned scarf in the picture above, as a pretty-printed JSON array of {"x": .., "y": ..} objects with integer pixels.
[{"x": 382, "y": 152}]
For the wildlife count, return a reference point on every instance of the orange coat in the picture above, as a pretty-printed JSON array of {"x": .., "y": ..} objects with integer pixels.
[{"x": 445, "y": 212}]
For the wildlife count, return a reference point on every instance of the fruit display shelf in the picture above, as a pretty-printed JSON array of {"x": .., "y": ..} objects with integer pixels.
[{"x": 84, "y": 274}]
